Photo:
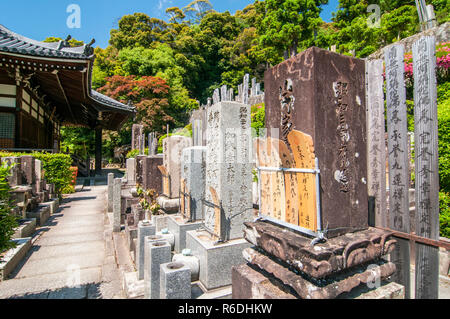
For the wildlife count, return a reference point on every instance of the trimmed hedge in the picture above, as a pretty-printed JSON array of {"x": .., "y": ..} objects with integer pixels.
[
  {"x": 56, "y": 167},
  {"x": 7, "y": 221}
]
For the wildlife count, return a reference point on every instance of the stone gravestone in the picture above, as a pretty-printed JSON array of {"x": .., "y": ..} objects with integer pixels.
[
  {"x": 173, "y": 148},
  {"x": 322, "y": 94},
  {"x": 152, "y": 144},
  {"x": 27, "y": 165},
  {"x": 193, "y": 172},
  {"x": 198, "y": 121},
  {"x": 136, "y": 134},
  {"x": 229, "y": 167},
  {"x": 131, "y": 171},
  {"x": 38, "y": 176},
  {"x": 15, "y": 179},
  {"x": 427, "y": 166}
]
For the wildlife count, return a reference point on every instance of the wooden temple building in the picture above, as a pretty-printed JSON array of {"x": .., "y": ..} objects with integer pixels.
[{"x": 44, "y": 86}]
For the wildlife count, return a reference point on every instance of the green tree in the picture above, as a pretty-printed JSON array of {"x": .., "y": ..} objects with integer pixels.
[
  {"x": 7, "y": 221},
  {"x": 289, "y": 25},
  {"x": 196, "y": 10},
  {"x": 138, "y": 30}
]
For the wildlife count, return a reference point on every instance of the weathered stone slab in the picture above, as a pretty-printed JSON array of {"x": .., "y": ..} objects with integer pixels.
[
  {"x": 308, "y": 289},
  {"x": 322, "y": 94},
  {"x": 323, "y": 259},
  {"x": 172, "y": 150},
  {"x": 229, "y": 167}
]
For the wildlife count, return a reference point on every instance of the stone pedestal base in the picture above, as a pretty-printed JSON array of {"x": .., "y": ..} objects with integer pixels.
[
  {"x": 249, "y": 283},
  {"x": 216, "y": 261},
  {"x": 26, "y": 228},
  {"x": 179, "y": 227},
  {"x": 332, "y": 287},
  {"x": 41, "y": 213},
  {"x": 133, "y": 288}
]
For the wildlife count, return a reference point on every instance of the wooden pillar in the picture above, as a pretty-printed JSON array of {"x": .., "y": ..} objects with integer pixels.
[
  {"x": 18, "y": 128},
  {"x": 376, "y": 149},
  {"x": 98, "y": 149},
  {"x": 427, "y": 166},
  {"x": 399, "y": 178}
]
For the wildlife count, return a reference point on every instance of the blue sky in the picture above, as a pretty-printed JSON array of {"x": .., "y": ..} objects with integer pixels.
[{"x": 38, "y": 19}]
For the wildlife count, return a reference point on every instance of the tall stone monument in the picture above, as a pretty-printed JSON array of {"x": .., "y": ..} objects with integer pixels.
[
  {"x": 229, "y": 167},
  {"x": 136, "y": 136},
  {"x": 322, "y": 94}
]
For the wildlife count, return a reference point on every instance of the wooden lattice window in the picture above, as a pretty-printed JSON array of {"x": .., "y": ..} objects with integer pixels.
[{"x": 7, "y": 129}]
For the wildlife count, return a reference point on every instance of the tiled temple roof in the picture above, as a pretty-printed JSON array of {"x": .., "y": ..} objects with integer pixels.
[{"x": 16, "y": 43}]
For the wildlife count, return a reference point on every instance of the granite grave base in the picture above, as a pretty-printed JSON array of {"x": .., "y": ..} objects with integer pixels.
[
  {"x": 216, "y": 260},
  {"x": 178, "y": 226}
]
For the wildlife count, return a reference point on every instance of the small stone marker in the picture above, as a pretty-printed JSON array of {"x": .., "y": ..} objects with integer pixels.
[
  {"x": 175, "y": 281},
  {"x": 193, "y": 172},
  {"x": 165, "y": 181},
  {"x": 117, "y": 204},
  {"x": 157, "y": 252},
  {"x": 145, "y": 229},
  {"x": 173, "y": 149},
  {"x": 110, "y": 191},
  {"x": 131, "y": 171},
  {"x": 136, "y": 134}
]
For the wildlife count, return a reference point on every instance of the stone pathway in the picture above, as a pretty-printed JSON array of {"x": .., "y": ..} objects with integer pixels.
[{"x": 75, "y": 246}]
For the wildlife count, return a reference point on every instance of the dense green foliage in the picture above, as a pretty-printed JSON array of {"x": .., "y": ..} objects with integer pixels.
[
  {"x": 7, "y": 221},
  {"x": 444, "y": 217},
  {"x": 56, "y": 168}
]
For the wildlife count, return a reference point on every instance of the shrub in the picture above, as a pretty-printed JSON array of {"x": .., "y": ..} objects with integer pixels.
[
  {"x": 444, "y": 143},
  {"x": 132, "y": 154},
  {"x": 56, "y": 168},
  {"x": 444, "y": 214},
  {"x": 258, "y": 116},
  {"x": 7, "y": 221}
]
